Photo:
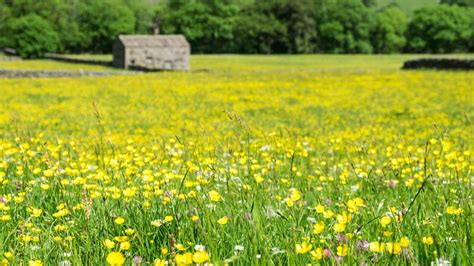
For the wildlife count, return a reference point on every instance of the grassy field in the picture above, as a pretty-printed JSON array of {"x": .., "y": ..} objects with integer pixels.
[
  {"x": 407, "y": 5},
  {"x": 246, "y": 160}
]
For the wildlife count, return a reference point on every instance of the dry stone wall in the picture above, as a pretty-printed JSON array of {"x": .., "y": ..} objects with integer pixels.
[{"x": 440, "y": 63}]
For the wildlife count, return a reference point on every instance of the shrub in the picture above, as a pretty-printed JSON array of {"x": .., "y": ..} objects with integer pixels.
[
  {"x": 388, "y": 34},
  {"x": 440, "y": 29},
  {"x": 33, "y": 36}
]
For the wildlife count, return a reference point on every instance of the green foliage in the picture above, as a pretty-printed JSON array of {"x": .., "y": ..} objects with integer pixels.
[
  {"x": 261, "y": 28},
  {"x": 260, "y": 32},
  {"x": 144, "y": 15},
  {"x": 249, "y": 26},
  {"x": 344, "y": 26},
  {"x": 32, "y": 36},
  {"x": 102, "y": 21},
  {"x": 208, "y": 25},
  {"x": 388, "y": 34},
  {"x": 5, "y": 15},
  {"x": 440, "y": 29}
]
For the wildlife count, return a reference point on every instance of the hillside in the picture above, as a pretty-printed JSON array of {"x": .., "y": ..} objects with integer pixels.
[{"x": 406, "y": 5}]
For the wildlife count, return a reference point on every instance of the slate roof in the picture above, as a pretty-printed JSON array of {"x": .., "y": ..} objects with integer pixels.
[{"x": 153, "y": 40}]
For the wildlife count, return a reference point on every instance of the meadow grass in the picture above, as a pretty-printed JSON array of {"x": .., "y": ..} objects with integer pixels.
[{"x": 248, "y": 160}]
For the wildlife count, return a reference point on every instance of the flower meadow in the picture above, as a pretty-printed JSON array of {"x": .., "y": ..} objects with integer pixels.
[{"x": 247, "y": 160}]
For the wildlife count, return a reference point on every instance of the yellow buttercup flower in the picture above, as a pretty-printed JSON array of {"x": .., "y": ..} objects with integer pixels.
[
  {"x": 200, "y": 257},
  {"x": 214, "y": 195},
  {"x": 115, "y": 259},
  {"x": 428, "y": 240},
  {"x": 384, "y": 221},
  {"x": 303, "y": 247},
  {"x": 109, "y": 244},
  {"x": 35, "y": 263},
  {"x": 119, "y": 220},
  {"x": 184, "y": 259},
  {"x": 318, "y": 228},
  {"x": 317, "y": 253},
  {"x": 222, "y": 221}
]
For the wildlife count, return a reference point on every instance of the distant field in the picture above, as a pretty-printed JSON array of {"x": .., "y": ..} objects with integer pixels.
[
  {"x": 246, "y": 160},
  {"x": 407, "y": 5},
  {"x": 248, "y": 62}
]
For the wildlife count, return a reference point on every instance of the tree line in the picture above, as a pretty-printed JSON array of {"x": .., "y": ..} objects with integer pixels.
[{"x": 238, "y": 26}]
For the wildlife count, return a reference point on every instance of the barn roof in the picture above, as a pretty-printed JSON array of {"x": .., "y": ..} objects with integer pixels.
[{"x": 153, "y": 40}]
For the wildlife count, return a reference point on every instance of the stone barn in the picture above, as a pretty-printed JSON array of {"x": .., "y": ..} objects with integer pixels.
[{"x": 152, "y": 52}]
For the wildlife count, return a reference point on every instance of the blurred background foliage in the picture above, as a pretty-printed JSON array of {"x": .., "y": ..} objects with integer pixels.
[{"x": 242, "y": 26}]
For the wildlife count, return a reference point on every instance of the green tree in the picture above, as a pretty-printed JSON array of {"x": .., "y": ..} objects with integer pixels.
[
  {"x": 388, "y": 34},
  {"x": 440, "y": 29},
  {"x": 208, "y": 25},
  {"x": 5, "y": 16},
  {"x": 277, "y": 26},
  {"x": 62, "y": 15},
  {"x": 343, "y": 25},
  {"x": 33, "y": 36},
  {"x": 101, "y": 21},
  {"x": 144, "y": 13},
  {"x": 260, "y": 31},
  {"x": 299, "y": 17}
]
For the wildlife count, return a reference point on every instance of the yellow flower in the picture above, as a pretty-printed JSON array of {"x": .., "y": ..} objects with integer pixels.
[
  {"x": 328, "y": 214},
  {"x": 169, "y": 218},
  {"x": 317, "y": 253},
  {"x": 109, "y": 244},
  {"x": 339, "y": 227},
  {"x": 295, "y": 195},
  {"x": 200, "y": 257},
  {"x": 194, "y": 218},
  {"x": 115, "y": 259},
  {"x": 159, "y": 262},
  {"x": 384, "y": 221},
  {"x": 156, "y": 223},
  {"x": 5, "y": 218},
  {"x": 125, "y": 245},
  {"x": 184, "y": 259},
  {"x": 428, "y": 240},
  {"x": 318, "y": 228},
  {"x": 35, "y": 263},
  {"x": 119, "y": 220},
  {"x": 214, "y": 195},
  {"x": 319, "y": 208},
  {"x": 303, "y": 248},
  {"x": 48, "y": 173},
  {"x": 342, "y": 250},
  {"x": 290, "y": 202},
  {"x": 404, "y": 242},
  {"x": 454, "y": 211},
  {"x": 35, "y": 212},
  {"x": 61, "y": 213},
  {"x": 129, "y": 231},
  {"x": 223, "y": 220},
  {"x": 121, "y": 238},
  {"x": 164, "y": 251},
  {"x": 377, "y": 246},
  {"x": 393, "y": 248},
  {"x": 344, "y": 218},
  {"x": 59, "y": 228}
]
